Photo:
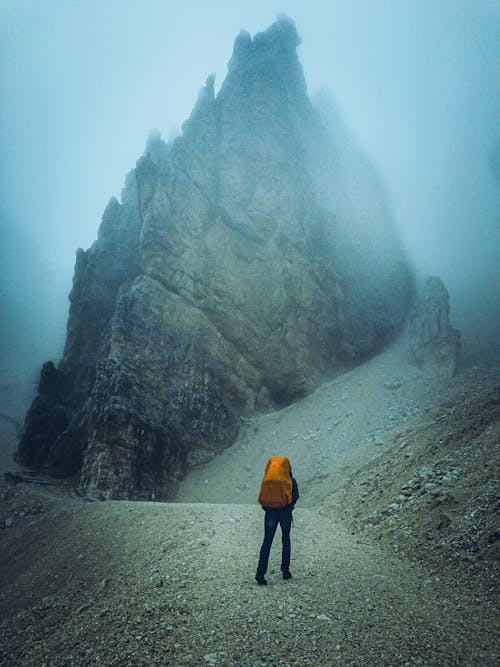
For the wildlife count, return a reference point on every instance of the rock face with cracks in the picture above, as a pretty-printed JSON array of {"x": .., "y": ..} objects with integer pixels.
[
  {"x": 224, "y": 283},
  {"x": 434, "y": 343}
]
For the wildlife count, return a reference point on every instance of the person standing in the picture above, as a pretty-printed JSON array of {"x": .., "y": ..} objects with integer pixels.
[{"x": 278, "y": 494}]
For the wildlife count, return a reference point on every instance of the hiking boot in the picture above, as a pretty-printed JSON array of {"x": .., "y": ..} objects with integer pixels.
[
  {"x": 259, "y": 578},
  {"x": 287, "y": 574}
]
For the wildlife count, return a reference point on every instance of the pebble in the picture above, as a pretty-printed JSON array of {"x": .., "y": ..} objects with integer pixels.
[
  {"x": 429, "y": 486},
  {"x": 394, "y": 507},
  {"x": 392, "y": 385}
]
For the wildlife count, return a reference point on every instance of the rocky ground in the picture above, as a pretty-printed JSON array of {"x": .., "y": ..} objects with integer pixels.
[{"x": 393, "y": 547}]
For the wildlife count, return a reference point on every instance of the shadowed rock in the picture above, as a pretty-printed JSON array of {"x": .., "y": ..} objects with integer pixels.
[
  {"x": 224, "y": 283},
  {"x": 434, "y": 343}
]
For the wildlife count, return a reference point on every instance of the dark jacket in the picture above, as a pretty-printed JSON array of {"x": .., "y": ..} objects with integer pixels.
[{"x": 295, "y": 493}]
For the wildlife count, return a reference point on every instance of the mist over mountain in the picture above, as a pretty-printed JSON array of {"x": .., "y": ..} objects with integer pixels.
[
  {"x": 247, "y": 260},
  {"x": 286, "y": 270},
  {"x": 417, "y": 88}
]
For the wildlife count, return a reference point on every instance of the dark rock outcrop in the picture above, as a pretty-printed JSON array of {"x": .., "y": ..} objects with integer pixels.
[
  {"x": 434, "y": 343},
  {"x": 224, "y": 283}
]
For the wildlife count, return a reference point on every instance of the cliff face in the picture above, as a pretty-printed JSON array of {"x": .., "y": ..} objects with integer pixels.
[
  {"x": 224, "y": 283},
  {"x": 434, "y": 343}
]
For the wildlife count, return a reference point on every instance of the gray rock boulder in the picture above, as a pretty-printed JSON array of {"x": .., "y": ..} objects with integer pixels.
[
  {"x": 434, "y": 343},
  {"x": 223, "y": 284}
]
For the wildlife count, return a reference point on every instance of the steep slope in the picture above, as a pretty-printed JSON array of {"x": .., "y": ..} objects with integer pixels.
[
  {"x": 222, "y": 285},
  {"x": 398, "y": 455}
]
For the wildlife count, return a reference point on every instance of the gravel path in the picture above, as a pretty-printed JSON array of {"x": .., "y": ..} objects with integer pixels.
[
  {"x": 122, "y": 583},
  {"x": 138, "y": 584}
]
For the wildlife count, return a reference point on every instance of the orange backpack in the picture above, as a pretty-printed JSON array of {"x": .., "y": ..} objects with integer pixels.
[{"x": 276, "y": 487}]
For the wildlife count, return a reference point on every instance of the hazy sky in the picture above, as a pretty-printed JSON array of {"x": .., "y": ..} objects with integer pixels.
[{"x": 83, "y": 82}]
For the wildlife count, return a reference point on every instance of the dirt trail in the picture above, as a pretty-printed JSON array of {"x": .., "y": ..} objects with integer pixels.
[
  {"x": 122, "y": 583},
  {"x": 130, "y": 584}
]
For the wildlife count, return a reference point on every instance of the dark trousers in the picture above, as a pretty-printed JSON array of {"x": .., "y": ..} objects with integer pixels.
[{"x": 283, "y": 517}]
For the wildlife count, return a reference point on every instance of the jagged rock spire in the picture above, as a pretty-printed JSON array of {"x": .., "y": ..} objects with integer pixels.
[{"x": 223, "y": 284}]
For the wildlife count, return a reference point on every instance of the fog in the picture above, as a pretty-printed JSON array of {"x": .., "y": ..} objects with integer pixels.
[{"x": 83, "y": 83}]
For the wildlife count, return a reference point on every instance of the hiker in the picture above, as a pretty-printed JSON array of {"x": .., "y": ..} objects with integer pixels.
[{"x": 278, "y": 494}]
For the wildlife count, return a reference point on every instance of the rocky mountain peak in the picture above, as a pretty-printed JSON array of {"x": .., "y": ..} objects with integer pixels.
[
  {"x": 266, "y": 68},
  {"x": 224, "y": 283},
  {"x": 277, "y": 44}
]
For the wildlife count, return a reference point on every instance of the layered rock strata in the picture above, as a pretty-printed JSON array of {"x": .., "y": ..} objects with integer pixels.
[{"x": 224, "y": 283}]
